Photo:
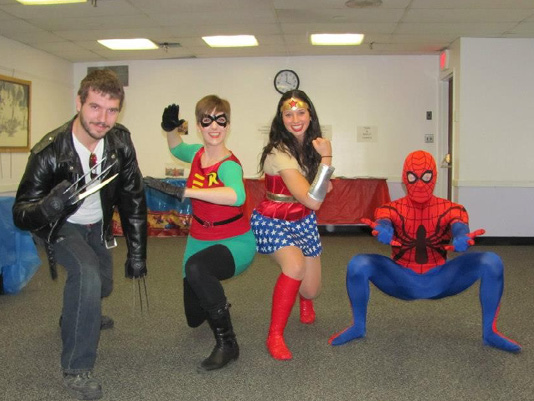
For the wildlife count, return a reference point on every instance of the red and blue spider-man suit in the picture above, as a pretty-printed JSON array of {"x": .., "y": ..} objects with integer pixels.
[{"x": 419, "y": 227}]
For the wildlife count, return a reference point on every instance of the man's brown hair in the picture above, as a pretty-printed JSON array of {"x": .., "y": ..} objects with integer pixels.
[{"x": 105, "y": 82}]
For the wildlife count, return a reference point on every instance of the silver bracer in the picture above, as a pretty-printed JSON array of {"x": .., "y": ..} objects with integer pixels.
[{"x": 319, "y": 186}]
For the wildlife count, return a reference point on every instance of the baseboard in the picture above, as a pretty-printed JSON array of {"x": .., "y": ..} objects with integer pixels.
[
  {"x": 504, "y": 240},
  {"x": 366, "y": 230},
  {"x": 356, "y": 229}
]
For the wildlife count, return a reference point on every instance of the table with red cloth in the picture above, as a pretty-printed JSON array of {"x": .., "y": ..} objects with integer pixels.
[{"x": 350, "y": 200}]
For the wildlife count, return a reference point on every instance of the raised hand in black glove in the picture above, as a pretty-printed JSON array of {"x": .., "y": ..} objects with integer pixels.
[
  {"x": 135, "y": 268},
  {"x": 53, "y": 205},
  {"x": 170, "y": 119},
  {"x": 169, "y": 189}
]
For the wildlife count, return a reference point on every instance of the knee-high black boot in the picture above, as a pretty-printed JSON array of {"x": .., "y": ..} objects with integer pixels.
[{"x": 226, "y": 348}]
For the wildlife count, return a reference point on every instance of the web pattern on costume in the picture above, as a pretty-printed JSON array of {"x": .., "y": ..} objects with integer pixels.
[
  {"x": 419, "y": 174},
  {"x": 422, "y": 232}
]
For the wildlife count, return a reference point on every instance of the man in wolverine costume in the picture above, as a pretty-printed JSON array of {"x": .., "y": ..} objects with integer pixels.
[{"x": 420, "y": 227}]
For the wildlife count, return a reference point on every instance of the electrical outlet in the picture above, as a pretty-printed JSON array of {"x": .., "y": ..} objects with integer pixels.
[
  {"x": 429, "y": 138},
  {"x": 429, "y": 115}
]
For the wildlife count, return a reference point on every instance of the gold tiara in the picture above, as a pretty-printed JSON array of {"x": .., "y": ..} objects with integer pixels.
[{"x": 294, "y": 104}]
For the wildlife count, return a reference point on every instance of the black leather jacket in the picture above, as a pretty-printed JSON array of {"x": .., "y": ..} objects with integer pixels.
[{"x": 54, "y": 159}]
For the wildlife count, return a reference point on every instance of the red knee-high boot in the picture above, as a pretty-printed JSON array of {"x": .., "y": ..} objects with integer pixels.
[
  {"x": 307, "y": 313},
  {"x": 284, "y": 296}
]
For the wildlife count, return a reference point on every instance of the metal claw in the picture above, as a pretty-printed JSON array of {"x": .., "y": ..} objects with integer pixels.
[
  {"x": 146, "y": 295},
  {"x": 94, "y": 189},
  {"x": 84, "y": 187},
  {"x": 134, "y": 295},
  {"x": 140, "y": 296},
  {"x": 85, "y": 175}
]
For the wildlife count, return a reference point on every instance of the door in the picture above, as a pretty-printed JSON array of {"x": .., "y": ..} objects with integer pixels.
[
  {"x": 450, "y": 124},
  {"x": 446, "y": 140}
]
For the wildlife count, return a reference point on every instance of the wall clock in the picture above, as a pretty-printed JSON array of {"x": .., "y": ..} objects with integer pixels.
[{"x": 286, "y": 80}]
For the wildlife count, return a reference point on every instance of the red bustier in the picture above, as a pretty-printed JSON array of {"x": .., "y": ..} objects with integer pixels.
[{"x": 280, "y": 209}]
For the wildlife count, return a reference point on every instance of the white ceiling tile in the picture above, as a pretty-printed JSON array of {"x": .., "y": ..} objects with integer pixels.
[
  {"x": 474, "y": 4},
  {"x": 340, "y": 16},
  {"x": 525, "y": 28},
  {"x": 461, "y": 15},
  {"x": 439, "y": 39},
  {"x": 210, "y": 30},
  {"x": 38, "y": 37},
  {"x": 339, "y": 28},
  {"x": 281, "y": 26},
  {"x": 206, "y": 6},
  {"x": 92, "y": 23},
  {"x": 458, "y": 29},
  {"x": 337, "y": 4},
  {"x": 223, "y": 17}
]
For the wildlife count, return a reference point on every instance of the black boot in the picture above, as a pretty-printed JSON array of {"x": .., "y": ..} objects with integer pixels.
[{"x": 226, "y": 348}]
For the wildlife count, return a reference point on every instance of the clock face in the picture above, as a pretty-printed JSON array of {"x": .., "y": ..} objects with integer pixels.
[{"x": 286, "y": 80}]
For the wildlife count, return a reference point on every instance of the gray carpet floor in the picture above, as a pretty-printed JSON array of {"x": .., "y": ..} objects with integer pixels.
[{"x": 419, "y": 350}]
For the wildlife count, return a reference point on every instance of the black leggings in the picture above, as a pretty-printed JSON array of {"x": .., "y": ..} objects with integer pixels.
[{"x": 203, "y": 272}]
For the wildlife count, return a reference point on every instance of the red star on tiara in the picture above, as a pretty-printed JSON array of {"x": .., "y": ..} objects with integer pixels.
[{"x": 294, "y": 104}]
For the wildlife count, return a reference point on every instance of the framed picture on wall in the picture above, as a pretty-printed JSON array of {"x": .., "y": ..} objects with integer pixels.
[{"x": 15, "y": 106}]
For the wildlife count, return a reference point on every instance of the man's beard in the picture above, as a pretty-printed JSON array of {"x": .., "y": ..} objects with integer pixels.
[{"x": 86, "y": 126}]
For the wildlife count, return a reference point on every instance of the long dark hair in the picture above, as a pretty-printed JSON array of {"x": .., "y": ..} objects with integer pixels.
[{"x": 281, "y": 139}]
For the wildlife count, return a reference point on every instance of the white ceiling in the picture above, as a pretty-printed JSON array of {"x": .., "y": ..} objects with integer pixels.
[{"x": 282, "y": 27}]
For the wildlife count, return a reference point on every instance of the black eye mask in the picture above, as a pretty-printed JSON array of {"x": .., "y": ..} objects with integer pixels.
[{"x": 220, "y": 119}]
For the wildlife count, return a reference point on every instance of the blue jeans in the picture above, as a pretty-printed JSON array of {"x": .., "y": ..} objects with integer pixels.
[{"x": 89, "y": 269}]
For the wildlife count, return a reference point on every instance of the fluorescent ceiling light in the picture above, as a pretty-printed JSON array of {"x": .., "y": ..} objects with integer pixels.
[
  {"x": 336, "y": 39},
  {"x": 44, "y": 2},
  {"x": 128, "y": 44},
  {"x": 231, "y": 41}
]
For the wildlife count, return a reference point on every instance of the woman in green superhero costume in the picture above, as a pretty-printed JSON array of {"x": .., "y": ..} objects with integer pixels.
[{"x": 220, "y": 244}]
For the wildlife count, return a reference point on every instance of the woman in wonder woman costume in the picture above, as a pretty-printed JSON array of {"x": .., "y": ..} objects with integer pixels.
[
  {"x": 284, "y": 222},
  {"x": 220, "y": 244},
  {"x": 419, "y": 227}
]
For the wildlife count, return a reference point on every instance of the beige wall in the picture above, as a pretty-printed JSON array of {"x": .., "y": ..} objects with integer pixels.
[
  {"x": 51, "y": 98},
  {"x": 391, "y": 93}
]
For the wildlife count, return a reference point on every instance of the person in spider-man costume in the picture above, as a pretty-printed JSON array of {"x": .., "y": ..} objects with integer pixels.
[{"x": 420, "y": 227}]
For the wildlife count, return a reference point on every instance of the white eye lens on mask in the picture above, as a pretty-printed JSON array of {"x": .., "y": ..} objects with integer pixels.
[
  {"x": 411, "y": 177},
  {"x": 427, "y": 177}
]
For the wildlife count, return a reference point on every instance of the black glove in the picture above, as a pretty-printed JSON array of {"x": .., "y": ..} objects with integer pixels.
[
  {"x": 169, "y": 189},
  {"x": 170, "y": 119},
  {"x": 53, "y": 205},
  {"x": 135, "y": 268}
]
